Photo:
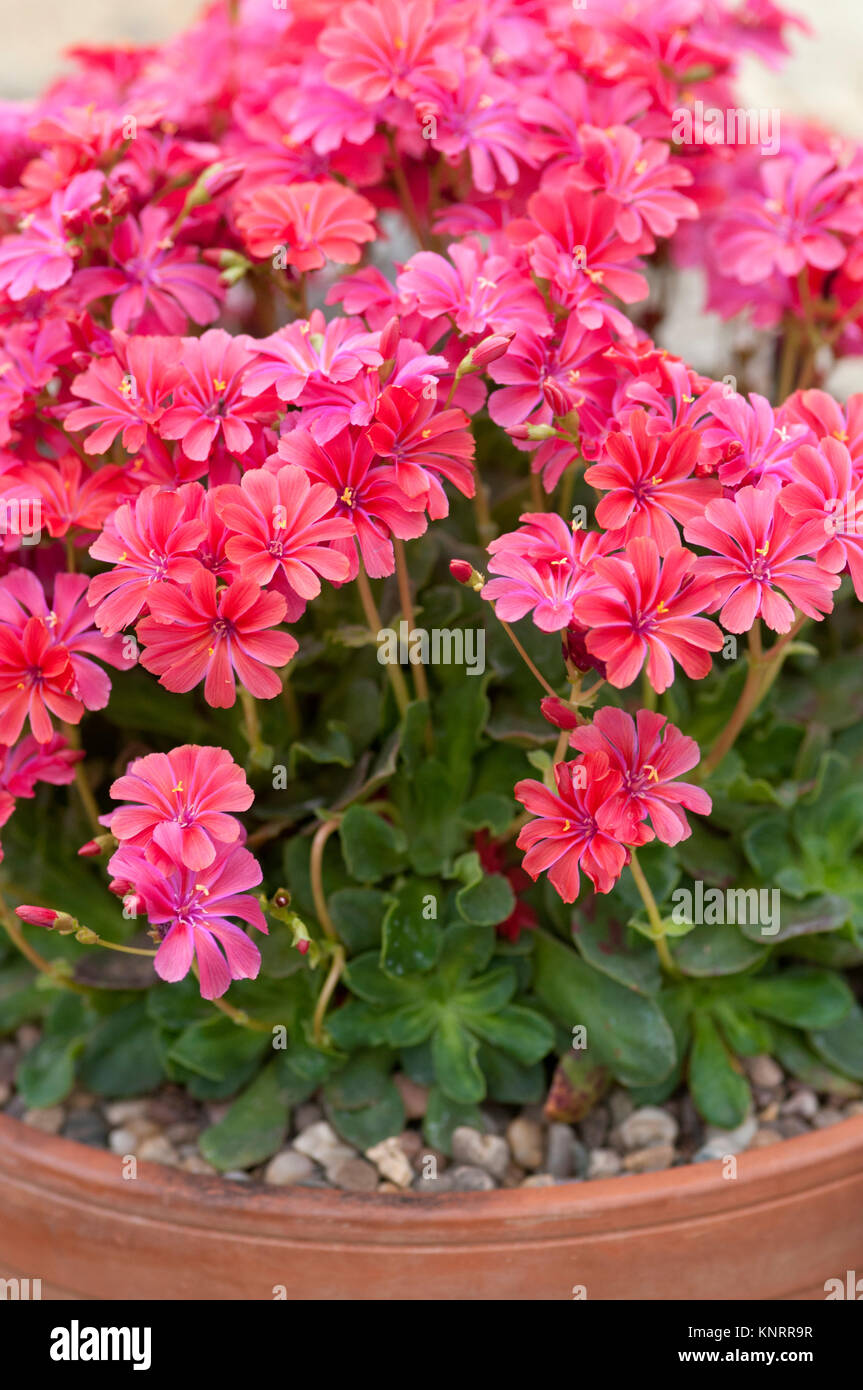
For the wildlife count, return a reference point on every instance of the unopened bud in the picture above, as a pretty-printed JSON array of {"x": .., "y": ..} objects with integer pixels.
[
  {"x": 558, "y": 712},
  {"x": 47, "y": 917},
  {"x": 102, "y": 844},
  {"x": 466, "y": 574},
  {"x": 555, "y": 397}
]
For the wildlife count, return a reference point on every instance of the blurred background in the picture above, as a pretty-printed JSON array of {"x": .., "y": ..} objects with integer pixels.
[{"x": 823, "y": 80}]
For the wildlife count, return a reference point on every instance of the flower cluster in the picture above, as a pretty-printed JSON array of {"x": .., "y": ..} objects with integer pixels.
[
  {"x": 216, "y": 402},
  {"x": 181, "y": 861}
]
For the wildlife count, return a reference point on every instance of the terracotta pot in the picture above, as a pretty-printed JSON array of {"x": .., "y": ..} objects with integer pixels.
[{"x": 791, "y": 1219}]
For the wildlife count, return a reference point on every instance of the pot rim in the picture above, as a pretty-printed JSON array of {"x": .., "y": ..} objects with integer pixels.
[{"x": 73, "y": 1172}]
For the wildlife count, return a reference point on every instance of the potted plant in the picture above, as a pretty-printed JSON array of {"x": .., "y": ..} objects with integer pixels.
[{"x": 452, "y": 890}]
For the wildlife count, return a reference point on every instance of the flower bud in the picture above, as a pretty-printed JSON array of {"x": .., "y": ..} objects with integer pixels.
[
  {"x": 559, "y": 713},
  {"x": 575, "y": 651},
  {"x": 466, "y": 574},
  {"x": 490, "y": 349},
  {"x": 555, "y": 397},
  {"x": 102, "y": 844},
  {"x": 46, "y": 917}
]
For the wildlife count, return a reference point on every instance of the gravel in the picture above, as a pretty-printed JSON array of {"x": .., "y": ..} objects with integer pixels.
[{"x": 518, "y": 1146}]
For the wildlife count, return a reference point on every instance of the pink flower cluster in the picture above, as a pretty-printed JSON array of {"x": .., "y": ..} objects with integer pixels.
[
  {"x": 180, "y": 408},
  {"x": 181, "y": 861}
]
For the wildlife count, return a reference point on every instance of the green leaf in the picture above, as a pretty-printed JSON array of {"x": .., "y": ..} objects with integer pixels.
[
  {"x": 252, "y": 1130},
  {"x": 488, "y": 811},
  {"x": 454, "y": 1051},
  {"x": 373, "y": 848},
  {"x": 823, "y": 912},
  {"x": 488, "y": 902},
  {"x": 716, "y": 950},
  {"x": 509, "y": 1081},
  {"x": 796, "y": 1056},
  {"x": 357, "y": 914},
  {"x": 122, "y": 1056},
  {"x": 46, "y": 1074},
  {"x": 721, "y": 1094},
  {"x": 220, "y": 1051},
  {"x": 609, "y": 946},
  {"x": 842, "y": 1045},
  {"x": 362, "y": 1100},
  {"x": 411, "y": 940},
  {"x": 628, "y": 1031},
  {"x": 520, "y": 1031},
  {"x": 746, "y": 1033},
  {"x": 802, "y": 998},
  {"x": 443, "y": 1115}
]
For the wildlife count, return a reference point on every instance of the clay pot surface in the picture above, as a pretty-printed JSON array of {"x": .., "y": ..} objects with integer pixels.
[{"x": 791, "y": 1219}]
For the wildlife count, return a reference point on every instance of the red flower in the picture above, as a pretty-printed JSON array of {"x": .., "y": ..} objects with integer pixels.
[
  {"x": 757, "y": 548},
  {"x": 421, "y": 444},
  {"x": 36, "y": 678},
  {"x": 644, "y": 609},
  {"x": 72, "y": 496},
  {"x": 146, "y": 541},
  {"x": 826, "y": 488},
  {"x": 648, "y": 479},
  {"x": 313, "y": 222},
  {"x": 369, "y": 497},
  {"x": 281, "y": 525},
  {"x": 649, "y": 754},
  {"x": 578, "y": 826},
  {"x": 208, "y": 634}
]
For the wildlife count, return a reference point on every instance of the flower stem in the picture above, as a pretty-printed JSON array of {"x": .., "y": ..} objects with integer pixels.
[
  {"x": 525, "y": 658},
  {"x": 326, "y": 994},
  {"x": 406, "y": 603},
  {"x": 409, "y": 207},
  {"x": 82, "y": 786},
  {"x": 316, "y": 864},
  {"x": 653, "y": 917},
  {"x": 373, "y": 618}
]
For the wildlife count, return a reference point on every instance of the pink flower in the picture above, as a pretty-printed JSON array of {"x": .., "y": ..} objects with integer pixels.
[
  {"x": 755, "y": 567},
  {"x": 310, "y": 349},
  {"x": 130, "y": 391},
  {"x": 30, "y": 762},
  {"x": 146, "y": 541},
  {"x": 798, "y": 221},
  {"x": 159, "y": 285},
  {"x": 69, "y": 620},
  {"x": 641, "y": 608},
  {"x": 72, "y": 496},
  {"x": 42, "y": 255},
  {"x": 368, "y": 496},
  {"x": 190, "y": 909},
  {"x": 35, "y": 682},
  {"x": 747, "y": 443},
  {"x": 650, "y": 755},
  {"x": 640, "y": 177},
  {"x": 544, "y": 566},
  {"x": 384, "y": 48},
  {"x": 208, "y": 635},
  {"x": 281, "y": 525},
  {"x": 575, "y": 365},
  {"x": 422, "y": 442},
  {"x": 180, "y": 805},
  {"x": 576, "y": 827},
  {"x": 648, "y": 481},
  {"x": 826, "y": 488},
  {"x": 482, "y": 293},
  {"x": 474, "y": 111},
  {"x": 571, "y": 238},
  {"x": 208, "y": 399},
  {"x": 313, "y": 222}
]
